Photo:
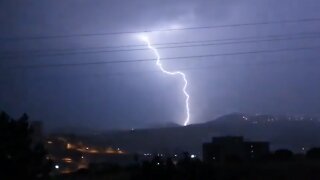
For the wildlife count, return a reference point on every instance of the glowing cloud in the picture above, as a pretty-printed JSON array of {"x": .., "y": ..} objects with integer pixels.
[{"x": 158, "y": 62}]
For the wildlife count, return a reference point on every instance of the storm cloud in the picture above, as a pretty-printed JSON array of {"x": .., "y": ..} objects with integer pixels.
[{"x": 136, "y": 94}]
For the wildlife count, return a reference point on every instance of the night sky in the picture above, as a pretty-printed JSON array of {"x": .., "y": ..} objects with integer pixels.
[{"x": 35, "y": 36}]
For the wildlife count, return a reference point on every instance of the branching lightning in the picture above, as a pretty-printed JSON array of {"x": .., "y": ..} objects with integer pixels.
[{"x": 184, "y": 89}]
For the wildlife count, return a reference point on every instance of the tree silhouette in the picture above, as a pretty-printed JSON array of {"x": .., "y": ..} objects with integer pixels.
[
  {"x": 20, "y": 157},
  {"x": 313, "y": 153}
]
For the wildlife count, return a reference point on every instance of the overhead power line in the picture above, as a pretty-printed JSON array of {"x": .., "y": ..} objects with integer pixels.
[
  {"x": 167, "y": 47},
  {"x": 220, "y": 66},
  {"x": 165, "y": 59},
  {"x": 172, "y": 43},
  {"x": 305, "y": 20}
]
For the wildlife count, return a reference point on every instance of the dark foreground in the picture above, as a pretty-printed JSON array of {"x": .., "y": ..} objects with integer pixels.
[{"x": 195, "y": 169}]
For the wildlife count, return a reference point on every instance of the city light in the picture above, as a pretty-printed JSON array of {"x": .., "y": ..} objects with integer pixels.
[
  {"x": 80, "y": 147},
  {"x": 67, "y": 160}
]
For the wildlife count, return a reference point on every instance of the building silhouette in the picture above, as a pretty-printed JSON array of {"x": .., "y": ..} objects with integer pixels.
[{"x": 234, "y": 148}]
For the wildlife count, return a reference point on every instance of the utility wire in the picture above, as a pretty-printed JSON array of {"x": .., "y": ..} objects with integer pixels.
[
  {"x": 173, "y": 43},
  {"x": 305, "y": 20},
  {"x": 220, "y": 66},
  {"x": 164, "y": 59},
  {"x": 164, "y": 47}
]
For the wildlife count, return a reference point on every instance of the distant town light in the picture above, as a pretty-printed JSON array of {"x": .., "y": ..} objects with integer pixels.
[
  {"x": 93, "y": 151},
  {"x": 56, "y": 166},
  {"x": 69, "y": 146},
  {"x": 67, "y": 160},
  {"x": 110, "y": 150},
  {"x": 193, "y": 156}
]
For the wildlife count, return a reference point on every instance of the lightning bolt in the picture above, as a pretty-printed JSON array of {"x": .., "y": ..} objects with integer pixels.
[{"x": 174, "y": 73}]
